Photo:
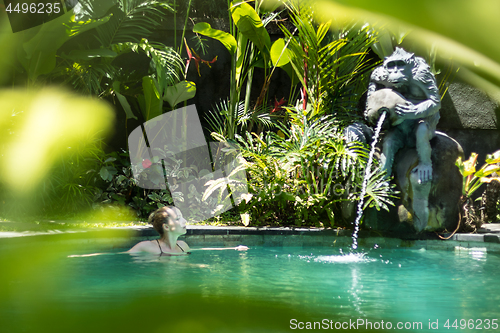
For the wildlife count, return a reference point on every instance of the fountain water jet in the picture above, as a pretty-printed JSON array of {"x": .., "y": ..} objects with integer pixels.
[{"x": 365, "y": 180}]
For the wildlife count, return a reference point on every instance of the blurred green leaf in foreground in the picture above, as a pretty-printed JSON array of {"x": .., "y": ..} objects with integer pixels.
[{"x": 462, "y": 30}]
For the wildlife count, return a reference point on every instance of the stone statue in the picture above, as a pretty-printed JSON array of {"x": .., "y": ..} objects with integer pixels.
[{"x": 405, "y": 87}]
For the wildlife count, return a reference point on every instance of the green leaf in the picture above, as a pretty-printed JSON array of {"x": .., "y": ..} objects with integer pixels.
[
  {"x": 154, "y": 196},
  {"x": 156, "y": 174},
  {"x": 226, "y": 39},
  {"x": 270, "y": 5},
  {"x": 40, "y": 51},
  {"x": 280, "y": 55},
  {"x": 460, "y": 164},
  {"x": 131, "y": 21},
  {"x": 41, "y": 63},
  {"x": 383, "y": 47},
  {"x": 123, "y": 101},
  {"x": 240, "y": 57},
  {"x": 110, "y": 159},
  {"x": 250, "y": 25},
  {"x": 126, "y": 106},
  {"x": 323, "y": 30},
  {"x": 120, "y": 179},
  {"x": 107, "y": 172},
  {"x": 104, "y": 173},
  {"x": 180, "y": 92},
  {"x": 153, "y": 104},
  {"x": 487, "y": 170},
  {"x": 112, "y": 170}
]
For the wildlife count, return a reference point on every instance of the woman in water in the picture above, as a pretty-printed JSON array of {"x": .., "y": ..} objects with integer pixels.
[{"x": 170, "y": 224}]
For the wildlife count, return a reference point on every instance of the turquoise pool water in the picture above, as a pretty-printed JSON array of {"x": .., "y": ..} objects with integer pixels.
[{"x": 401, "y": 286}]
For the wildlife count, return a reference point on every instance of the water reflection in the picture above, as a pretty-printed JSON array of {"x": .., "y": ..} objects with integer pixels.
[
  {"x": 476, "y": 253},
  {"x": 354, "y": 291}
]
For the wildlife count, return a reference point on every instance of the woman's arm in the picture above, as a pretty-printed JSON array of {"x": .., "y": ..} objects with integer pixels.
[{"x": 237, "y": 248}]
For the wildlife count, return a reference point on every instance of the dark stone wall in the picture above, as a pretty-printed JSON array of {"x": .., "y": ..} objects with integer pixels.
[{"x": 472, "y": 118}]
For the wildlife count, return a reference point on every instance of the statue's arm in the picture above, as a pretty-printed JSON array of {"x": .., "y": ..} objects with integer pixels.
[
  {"x": 427, "y": 108},
  {"x": 423, "y": 81},
  {"x": 421, "y": 110}
]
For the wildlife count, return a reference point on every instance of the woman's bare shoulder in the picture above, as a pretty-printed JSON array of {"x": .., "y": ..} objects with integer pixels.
[
  {"x": 144, "y": 246},
  {"x": 183, "y": 244}
]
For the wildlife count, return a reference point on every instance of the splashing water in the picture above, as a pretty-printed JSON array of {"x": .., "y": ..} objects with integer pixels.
[
  {"x": 344, "y": 258},
  {"x": 365, "y": 181},
  {"x": 341, "y": 258}
]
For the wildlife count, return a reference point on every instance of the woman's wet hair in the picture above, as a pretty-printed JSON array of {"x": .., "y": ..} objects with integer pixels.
[{"x": 158, "y": 218}]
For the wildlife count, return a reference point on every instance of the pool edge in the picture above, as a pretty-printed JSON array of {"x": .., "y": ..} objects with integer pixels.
[{"x": 123, "y": 237}]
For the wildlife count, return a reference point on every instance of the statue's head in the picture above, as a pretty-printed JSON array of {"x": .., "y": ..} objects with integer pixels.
[{"x": 399, "y": 67}]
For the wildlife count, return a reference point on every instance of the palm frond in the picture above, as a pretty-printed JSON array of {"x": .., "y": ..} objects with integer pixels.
[
  {"x": 260, "y": 116},
  {"x": 131, "y": 21},
  {"x": 200, "y": 44},
  {"x": 379, "y": 191},
  {"x": 165, "y": 62},
  {"x": 86, "y": 77},
  {"x": 348, "y": 82},
  {"x": 216, "y": 118}
]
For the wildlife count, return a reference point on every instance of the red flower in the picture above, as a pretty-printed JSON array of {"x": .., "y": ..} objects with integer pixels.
[
  {"x": 197, "y": 59},
  {"x": 277, "y": 105},
  {"x": 146, "y": 163}
]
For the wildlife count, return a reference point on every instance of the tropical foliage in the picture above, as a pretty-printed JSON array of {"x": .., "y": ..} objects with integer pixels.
[
  {"x": 299, "y": 167},
  {"x": 300, "y": 172},
  {"x": 249, "y": 45},
  {"x": 330, "y": 62},
  {"x": 86, "y": 50},
  {"x": 301, "y": 180},
  {"x": 472, "y": 180}
]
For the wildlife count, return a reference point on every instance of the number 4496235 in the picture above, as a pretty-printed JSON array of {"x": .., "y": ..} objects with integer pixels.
[
  {"x": 477, "y": 324},
  {"x": 35, "y": 8}
]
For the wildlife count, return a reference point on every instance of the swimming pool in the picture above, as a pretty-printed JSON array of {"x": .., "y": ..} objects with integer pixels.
[{"x": 264, "y": 288}]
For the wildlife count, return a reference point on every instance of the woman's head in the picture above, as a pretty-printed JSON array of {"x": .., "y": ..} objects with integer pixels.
[{"x": 168, "y": 219}]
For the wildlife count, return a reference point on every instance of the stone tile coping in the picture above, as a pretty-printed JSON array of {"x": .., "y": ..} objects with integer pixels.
[
  {"x": 107, "y": 239},
  {"x": 489, "y": 228}
]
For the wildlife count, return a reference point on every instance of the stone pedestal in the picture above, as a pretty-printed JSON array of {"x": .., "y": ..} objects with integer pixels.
[{"x": 440, "y": 212}]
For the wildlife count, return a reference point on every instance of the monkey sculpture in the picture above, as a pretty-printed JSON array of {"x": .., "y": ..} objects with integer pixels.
[{"x": 405, "y": 87}]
